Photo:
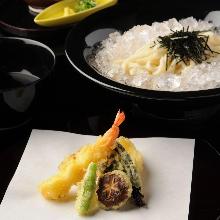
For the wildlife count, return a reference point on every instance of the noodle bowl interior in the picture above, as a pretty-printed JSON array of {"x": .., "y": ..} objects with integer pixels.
[{"x": 172, "y": 55}]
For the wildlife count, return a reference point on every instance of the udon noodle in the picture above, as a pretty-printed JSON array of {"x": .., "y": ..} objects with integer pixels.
[
  {"x": 136, "y": 58},
  {"x": 152, "y": 59}
]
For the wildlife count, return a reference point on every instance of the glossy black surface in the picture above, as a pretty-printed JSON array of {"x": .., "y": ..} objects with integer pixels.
[
  {"x": 24, "y": 63},
  {"x": 97, "y": 27},
  {"x": 69, "y": 102},
  {"x": 16, "y": 19},
  {"x": 40, "y": 4}
]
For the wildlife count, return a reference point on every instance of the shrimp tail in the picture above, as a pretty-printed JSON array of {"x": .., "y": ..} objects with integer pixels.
[
  {"x": 120, "y": 117},
  {"x": 109, "y": 138}
]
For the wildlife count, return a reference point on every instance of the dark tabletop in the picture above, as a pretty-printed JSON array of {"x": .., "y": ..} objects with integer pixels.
[{"x": 69, "y": 102}]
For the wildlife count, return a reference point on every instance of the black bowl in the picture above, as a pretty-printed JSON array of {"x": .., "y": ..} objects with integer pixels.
[
  {"x": 17, "y": 20},
  {"x": 82, "y": 40},
  {"x": 24, "y": 63}
]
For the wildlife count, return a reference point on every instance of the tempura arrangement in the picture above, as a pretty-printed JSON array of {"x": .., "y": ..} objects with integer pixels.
[{"x": 108, "y": 173}]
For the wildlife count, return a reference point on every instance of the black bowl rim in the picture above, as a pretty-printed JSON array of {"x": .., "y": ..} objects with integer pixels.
[
  {"x": 32, "y": 42},
  {"x": 90, "y": 73},
  {"x": 5, "y": 25}
]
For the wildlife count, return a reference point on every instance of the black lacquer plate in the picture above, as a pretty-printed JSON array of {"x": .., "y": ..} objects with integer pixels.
[
  {"x": 85, "y": 36},
  {"x": 16, "y": 19}
]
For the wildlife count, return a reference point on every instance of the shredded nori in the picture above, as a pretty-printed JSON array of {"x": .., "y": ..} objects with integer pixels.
[{"x": 185, "y": 45}]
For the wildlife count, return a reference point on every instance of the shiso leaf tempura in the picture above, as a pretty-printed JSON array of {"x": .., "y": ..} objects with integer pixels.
[{"x": 172, "y": 55}]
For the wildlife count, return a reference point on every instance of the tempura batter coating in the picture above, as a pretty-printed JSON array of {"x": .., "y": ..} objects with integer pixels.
[{"x": 72, "y": 169}]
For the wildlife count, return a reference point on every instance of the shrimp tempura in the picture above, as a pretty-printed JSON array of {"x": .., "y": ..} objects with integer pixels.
[{"x": 72, "y": 169}]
